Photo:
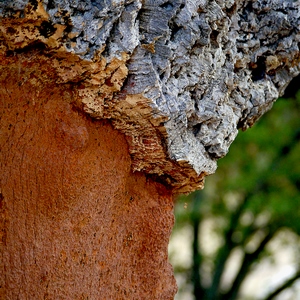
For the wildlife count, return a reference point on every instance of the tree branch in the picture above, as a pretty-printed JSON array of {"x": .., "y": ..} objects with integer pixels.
[
  {"x": 248, "y": 261},
  {"x": 225, "y": 251},
  {"x": 283, "y": 286}
]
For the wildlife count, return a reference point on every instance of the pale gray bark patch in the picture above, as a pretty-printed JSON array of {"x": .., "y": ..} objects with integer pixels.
[{"x": 208, "y": 68}]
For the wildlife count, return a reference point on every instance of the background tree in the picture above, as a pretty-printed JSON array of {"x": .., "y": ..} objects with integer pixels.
[{"x": 251, "y": 199}]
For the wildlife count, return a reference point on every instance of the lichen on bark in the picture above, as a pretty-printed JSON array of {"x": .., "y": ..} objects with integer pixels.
[{"x": 178, "y": 78}]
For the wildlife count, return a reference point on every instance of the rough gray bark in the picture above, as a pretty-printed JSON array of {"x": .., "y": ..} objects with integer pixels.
[{"x": 178, "y": 78}]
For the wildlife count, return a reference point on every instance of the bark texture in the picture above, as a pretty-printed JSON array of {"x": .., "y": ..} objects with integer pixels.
[
  {"x": 75, "y": 222},
  {"x": 82, "y": 213},
  {"x": 178, "y": 78}
]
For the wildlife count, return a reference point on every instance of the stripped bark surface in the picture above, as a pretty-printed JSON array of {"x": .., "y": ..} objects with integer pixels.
[{"x": 75, "y": 222}]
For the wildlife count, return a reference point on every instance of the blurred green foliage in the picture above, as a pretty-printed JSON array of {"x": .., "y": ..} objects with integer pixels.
[{"x": 253, "y": 195}]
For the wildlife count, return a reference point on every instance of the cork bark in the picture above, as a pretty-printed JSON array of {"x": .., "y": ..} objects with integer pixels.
[
  {"x": 107, "y": 108},
  {"x": 178, "y": 78}
]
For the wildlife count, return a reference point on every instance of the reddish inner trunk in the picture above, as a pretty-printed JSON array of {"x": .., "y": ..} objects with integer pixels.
[{"x": 75, "y": 222}]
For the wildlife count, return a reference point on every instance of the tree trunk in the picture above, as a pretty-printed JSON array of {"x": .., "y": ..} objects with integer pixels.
[
  {"x": 107, "y": 109},
  {"x": 76, "y": 223}
]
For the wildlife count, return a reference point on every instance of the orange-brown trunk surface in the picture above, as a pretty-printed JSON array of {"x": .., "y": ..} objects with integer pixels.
[{"x": 75, "y": 222}]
